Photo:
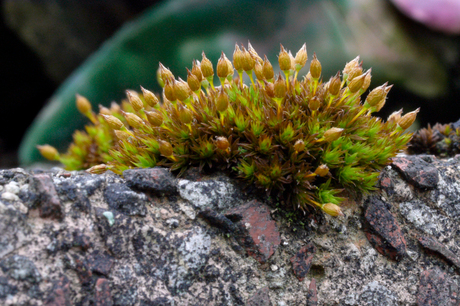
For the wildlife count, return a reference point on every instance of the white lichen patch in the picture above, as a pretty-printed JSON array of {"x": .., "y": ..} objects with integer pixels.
[
  {"x": 447, "y": 194},
  {"x": 203, "y": 194},
  {"x": 423, "y": 217}
]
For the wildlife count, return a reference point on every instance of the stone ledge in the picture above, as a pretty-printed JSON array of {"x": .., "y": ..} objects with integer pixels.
[{"x": 138, "y": 241}]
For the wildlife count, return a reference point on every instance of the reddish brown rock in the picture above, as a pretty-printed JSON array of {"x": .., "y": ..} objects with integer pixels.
[
  {"x": 301, "y": 262},
  {"x": 102, "y": 295},
  {"x": 417, "y": 171},
  {"x": 312, "y": 296},
  {"x": 60, "y": 293},
  {"x": 439, "y": 248},
  {"x": 100, "y": 263},
  {"x": 258, "y": 232},
  {"x": 383, "y": 231},
  {"x": 47, "y": 198},
  {"x": 437, "y": 288},
  {"x": 260, "y": 298}
]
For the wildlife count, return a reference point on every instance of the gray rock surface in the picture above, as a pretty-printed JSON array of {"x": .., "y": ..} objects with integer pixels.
[{"x": 198, "y": 240}]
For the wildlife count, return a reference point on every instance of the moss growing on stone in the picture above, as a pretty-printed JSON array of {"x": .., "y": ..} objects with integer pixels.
[{"x": 304, "y": 140}]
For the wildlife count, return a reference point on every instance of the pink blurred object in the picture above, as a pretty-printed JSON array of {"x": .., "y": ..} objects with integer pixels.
[{"x": 442, "y": 15}]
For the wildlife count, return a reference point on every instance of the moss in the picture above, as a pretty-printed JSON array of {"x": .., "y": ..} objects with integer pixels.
[
  {"x": 302, "y": 140},
  {"x": 441, "y": 140}
]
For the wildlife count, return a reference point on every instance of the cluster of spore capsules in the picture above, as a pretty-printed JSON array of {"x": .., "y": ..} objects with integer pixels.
[{"x": 304, "y": 140}]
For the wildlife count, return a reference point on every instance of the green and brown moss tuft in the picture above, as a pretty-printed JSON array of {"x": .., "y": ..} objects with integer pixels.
[
  {"x": 303, "y": 140},
  {"x": 441, "y": 140}
]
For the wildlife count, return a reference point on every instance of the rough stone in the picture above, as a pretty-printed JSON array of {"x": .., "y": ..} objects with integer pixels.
[
  {"x": 169, "y": 257},
  {"x": 83, "y": 271},
  {"x": 301, "y": 262},
  {"x": 376, "y": 294},
  {"x": 218, "y": 220},
  {"x": 12, "y": 187},
  {"x": 8, "y": 196},
  {"x": 312, "y": 295},
  {"x": 117, "y": 237},
  {"x": 80, "y": 184},
  {"x": 417, "y": 171},
  {"x": 18, "y": 175},
  {"x": 217, "y": 194},
  {"x": 159, "y": 180},
  {"x": 437, "y": 288},
  {"x": 20, "y": 268},
  {"x": 383, "y": 231},
  {"x": 14, "y": 229},
  {"x": 258, "y": 232},
  {"x": 46, "y": 197},
  {"x": 447, "y": 194},
  {"x": 6, "y": 289},
  {"x": 260, "y": 298},
  {"x": 195, "y": 249},
  {"x": 60, "y": 293},
  {"x": 123, "y": 199},
  {"x": 395, "y": 188},
  {"x": 439, "y": 248},
  {"x": 423, "y": 217},
  {"x": 102, "y": 295},
  {"x": 100, "y": 262}
]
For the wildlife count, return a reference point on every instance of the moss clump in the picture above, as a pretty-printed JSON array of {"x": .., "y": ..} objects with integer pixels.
[
  {"x": 91, "y": 146},
  {"x": 303, "y": 140},
  {"x": 441, "y": 140}
]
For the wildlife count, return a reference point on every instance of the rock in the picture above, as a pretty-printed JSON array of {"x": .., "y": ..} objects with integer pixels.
[
  {"x": 20, "y": 268},
  {"x": 218, "y": 194},
  {"x": 12, "y": 187},
  {"x": 46, "y": 197},
  {"x": 260, "y": 298},
  {"x": 423, "y": 217},
  {"x": 383, "y": 231},
  {"x": 394, "y": 186},
  {"x": 159, "y": 180},
  {"x": 301, "y": 262},
  {"x": 8, "y": 196},
  {"x": 60, "y": 293},
  {"x": 117, "y": 236},
  {"x": 16, "y": 175},
  {"x": 100, "y": 263},
  {"x": 417, "y": 171},
  {"x": 14, "y": 229},
  {"x": 376, "y": 294},
  {"x": 123, "y": 199},
  {"x": 6, "y": 289},
  {"x": 439, "y": 248},
  {"x": 258, "y": 232},
  {"x": 448, "y": 191},
  {"x": 218, "y": 220},
  {"x": 83, "y": 271},
  {"x": 195, "y": 249},
  {"x": 312, "y": 297},
  {"x": 235, "y": 253},
  {"x": 102, "y": 296},
  {"x": 89, "y": 183},
  {"x": 437, "y": 288}
]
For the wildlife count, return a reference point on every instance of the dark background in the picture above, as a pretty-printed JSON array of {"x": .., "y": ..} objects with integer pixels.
[{"x": 28, "y": 80}]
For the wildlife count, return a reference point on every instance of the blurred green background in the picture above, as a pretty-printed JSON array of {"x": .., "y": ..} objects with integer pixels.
[{"x": 100, "y": 48}]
